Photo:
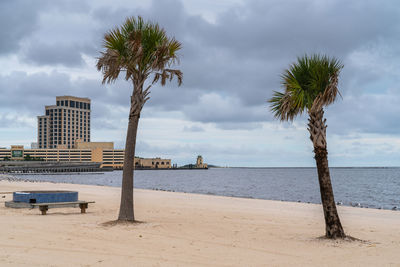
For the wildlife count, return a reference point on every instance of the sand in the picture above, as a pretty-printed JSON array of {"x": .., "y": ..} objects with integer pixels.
[{"x": 181, "y": 229}]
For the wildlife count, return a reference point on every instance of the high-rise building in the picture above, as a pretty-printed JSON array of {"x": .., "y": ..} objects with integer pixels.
[{"x": 64, "y": 123}]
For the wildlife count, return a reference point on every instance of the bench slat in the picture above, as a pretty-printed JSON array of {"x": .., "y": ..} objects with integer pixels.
[
  {"x": 61, "y": 203},
  {"x": 83, "y": 205}
]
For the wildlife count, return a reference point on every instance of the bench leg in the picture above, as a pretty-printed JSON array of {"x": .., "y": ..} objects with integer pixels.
[
  {"x": 83, "y": 207},
  {"x": 44, "y": 209}
]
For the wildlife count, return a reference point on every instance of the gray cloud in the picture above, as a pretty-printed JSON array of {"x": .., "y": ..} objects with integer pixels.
[
  {"x": 30, "y": 92},
  {"x": 230, "y": 67},
  {"x": 18, "y": 19},
  {"x": 216, "y": 108},
  {"x": 376, "y": 113},
  {"x": 245, "y": 51},
  {"x": 63, "y": 33},
  {"x": 44, "y": 54}
]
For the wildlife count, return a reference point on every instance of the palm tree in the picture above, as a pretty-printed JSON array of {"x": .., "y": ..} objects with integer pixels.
[
  {"x": 310, "y": 85},
  {"x": 141, "y": 50}
]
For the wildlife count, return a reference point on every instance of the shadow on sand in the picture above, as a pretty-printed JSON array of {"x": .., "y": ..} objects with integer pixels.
[{"x": 123, "y": 223}]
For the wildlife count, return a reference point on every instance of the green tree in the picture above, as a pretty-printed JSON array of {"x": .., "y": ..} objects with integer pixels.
[
  {"x": 310, "y": 84},
  {"x": 142, "y": 51}
]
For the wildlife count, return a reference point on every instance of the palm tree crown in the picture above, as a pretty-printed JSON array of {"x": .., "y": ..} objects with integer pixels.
[
  {"x": 310, "y": 84},
  {"x": 139, "y": 48}
]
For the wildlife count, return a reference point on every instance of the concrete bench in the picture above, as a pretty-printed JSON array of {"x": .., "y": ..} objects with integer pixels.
[{"x": 44, "y": 207}]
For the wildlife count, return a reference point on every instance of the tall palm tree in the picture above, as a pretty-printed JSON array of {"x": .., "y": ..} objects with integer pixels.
[
  {"x": 141, "y": 50},
  {"x": 309, "y": 86}
]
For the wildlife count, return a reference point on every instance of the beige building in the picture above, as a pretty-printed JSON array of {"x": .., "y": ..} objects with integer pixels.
[
  {"x": 64, "y": 123},
  {"x": 102, "y": 152},
  {"x": 200, "y": 163},
  {"x": 64, "y": 136}
]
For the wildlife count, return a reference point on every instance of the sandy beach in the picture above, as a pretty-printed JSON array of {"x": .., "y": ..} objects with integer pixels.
[{"x": 181, "y": 229}]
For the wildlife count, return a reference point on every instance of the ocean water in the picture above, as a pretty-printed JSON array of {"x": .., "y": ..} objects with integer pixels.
[{"x": 362, "y": 187}]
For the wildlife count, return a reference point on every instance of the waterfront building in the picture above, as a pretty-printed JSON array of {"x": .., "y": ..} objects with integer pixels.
[
  {"x": 64, "y": 136},
  {"x": 64, "y": 123},
  {"x": 101, "y": 152},
  {"x": 200, "y": 164}
]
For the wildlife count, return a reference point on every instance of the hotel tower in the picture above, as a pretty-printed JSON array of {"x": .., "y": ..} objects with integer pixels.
[{"x": 64, "y": 123}]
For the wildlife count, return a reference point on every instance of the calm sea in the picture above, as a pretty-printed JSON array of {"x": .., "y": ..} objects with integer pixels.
[{"x": 364, "y": 187}]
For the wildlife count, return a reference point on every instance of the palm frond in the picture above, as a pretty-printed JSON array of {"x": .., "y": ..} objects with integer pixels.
[
  {"x": 110, "y": 65},
  {"x": 139, "y": 48},
  {"x": 168, "y": 74},
  {"x": 309, "y": 84}
]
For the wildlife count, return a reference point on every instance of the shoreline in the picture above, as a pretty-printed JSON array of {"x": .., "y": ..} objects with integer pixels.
[
  {"x": 338, "y": 204},
  {"x": 190, "y": 230}
]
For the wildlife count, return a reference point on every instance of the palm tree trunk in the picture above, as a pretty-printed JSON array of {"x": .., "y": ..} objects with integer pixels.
[
  {"x": 317, "y": 129},
  {"x": 126, "y": 211}
]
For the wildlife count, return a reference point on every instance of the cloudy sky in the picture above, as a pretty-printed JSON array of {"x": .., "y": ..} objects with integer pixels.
[{"x": 233, "y": 54}]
